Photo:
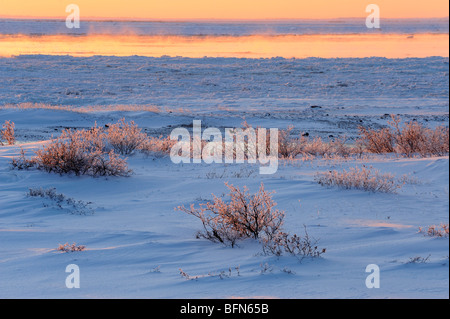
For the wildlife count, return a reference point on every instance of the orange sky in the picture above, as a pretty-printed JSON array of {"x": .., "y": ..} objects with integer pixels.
[{"x": 224, "y": 9}]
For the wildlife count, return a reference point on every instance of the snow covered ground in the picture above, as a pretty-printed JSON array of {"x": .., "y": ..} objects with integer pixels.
[{"x": 136, "y": 243}]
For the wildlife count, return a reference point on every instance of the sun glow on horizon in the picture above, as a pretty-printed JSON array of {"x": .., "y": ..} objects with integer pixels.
[{"x": 221, "y": 9}]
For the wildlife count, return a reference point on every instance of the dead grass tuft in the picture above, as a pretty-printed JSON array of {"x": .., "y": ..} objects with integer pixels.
[{"x": 364, "y": 178}]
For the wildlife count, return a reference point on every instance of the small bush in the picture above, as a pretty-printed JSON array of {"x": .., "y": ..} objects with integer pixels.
[
  {"x": 222, "y": 274},
  {"x": 157, "y": 145},
  {"x": 245, "y": 216},
  {"x": 93, "y": 152},
  {"x": 67, "y": 248},
  {"x": 408, "y": 140},
  {"x": 418, "y": 260},
  {"x": 125, "y": 137},
  {"x": 290, "y": 147},
  {"x": 7, "y": 133},
  {"x": 22, "y": 162},
  {"x": 435, "y": 231},
  {"x": 414, "y": 138},
  {"x": 364, "y": 178},
  {"x": 81, "y": 153},
  {"x": 60, "y": 201},
  {"x": 251, "y": 216},
  {"x": 377, "y": 141},
  {"x": 300, "y": 247}
]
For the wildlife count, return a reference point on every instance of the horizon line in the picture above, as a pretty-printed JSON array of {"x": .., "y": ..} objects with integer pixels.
[{"x": 127, "y": 19}]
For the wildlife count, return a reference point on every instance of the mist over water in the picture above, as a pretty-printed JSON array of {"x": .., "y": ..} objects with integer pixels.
[
  {"x": 225, "y": 28},
  {"x": 344, "y": 38}
]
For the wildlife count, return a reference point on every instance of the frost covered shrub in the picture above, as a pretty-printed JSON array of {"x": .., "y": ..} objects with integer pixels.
[
  {"x": 364, "y": 178},
  {"x": 409, "y": 139},
  {"x": 244, "y": 216},
  {"x": 159, "y": 145},
  {"x": 7, "y": 133},
  {"x": 339, "y": 147},
  {"x": 251, "y": 216},
  {"x": 93, "y": 152},
  {"x": 414, "y": 138},
  {"x": 436, "y": 142},
  {"x": 441, "y": 230},
  {"x": 67, "y": 248},
  {"x": 319, "y": 147},
  {"x": 288, "y": 146},
  {"x": 125, "y": 137},
  {"x": 316, "y": 147},
  {"x": 81, "y": 153},
  {"x": 377, "y": 141}
]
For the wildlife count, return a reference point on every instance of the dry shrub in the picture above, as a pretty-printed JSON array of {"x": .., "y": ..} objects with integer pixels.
[
  {"x": 67, "y": 248},
  {"x": 245, "y": 143},
  {"x": 437, "y": 142},
  {"x": 222, "y": 274},
  {"x": 290, "y": 146},
  {"x": 22, "y": 162},
  {"x": 376, "y": 141},
  {"x": 365, "y": 178},
  {"x": 93, "y": 152},
  {"x": 339, "y": 147},
  {"x": 81, "y": 153},
  {"x": 435, "y": 230},
  {"x": 125, "y": 137},
  {"x": 414, "y": 138},
  {"x": 250, "y": 216},
  {"x": 7, "y": 133},
  {"x": 319, "y": 147},
  {"x": 294, "y": 245},
  {"x": 316, "y": 147},
  {"x": 409, "y": 139},
  {"x": 61, "y": 201},
  {"x": 157, "y": 145},
  {"x": 418, "y": 260},
  {"x": 245, "y": 216}
]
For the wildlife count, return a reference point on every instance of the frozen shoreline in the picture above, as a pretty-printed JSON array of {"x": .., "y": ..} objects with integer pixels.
[
  {"x": 320, "y": 96},
  {"x": 208, "y": 84}
]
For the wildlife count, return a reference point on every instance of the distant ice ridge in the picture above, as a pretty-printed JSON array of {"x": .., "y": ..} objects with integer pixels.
[{"x": 227, "y": 28}]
